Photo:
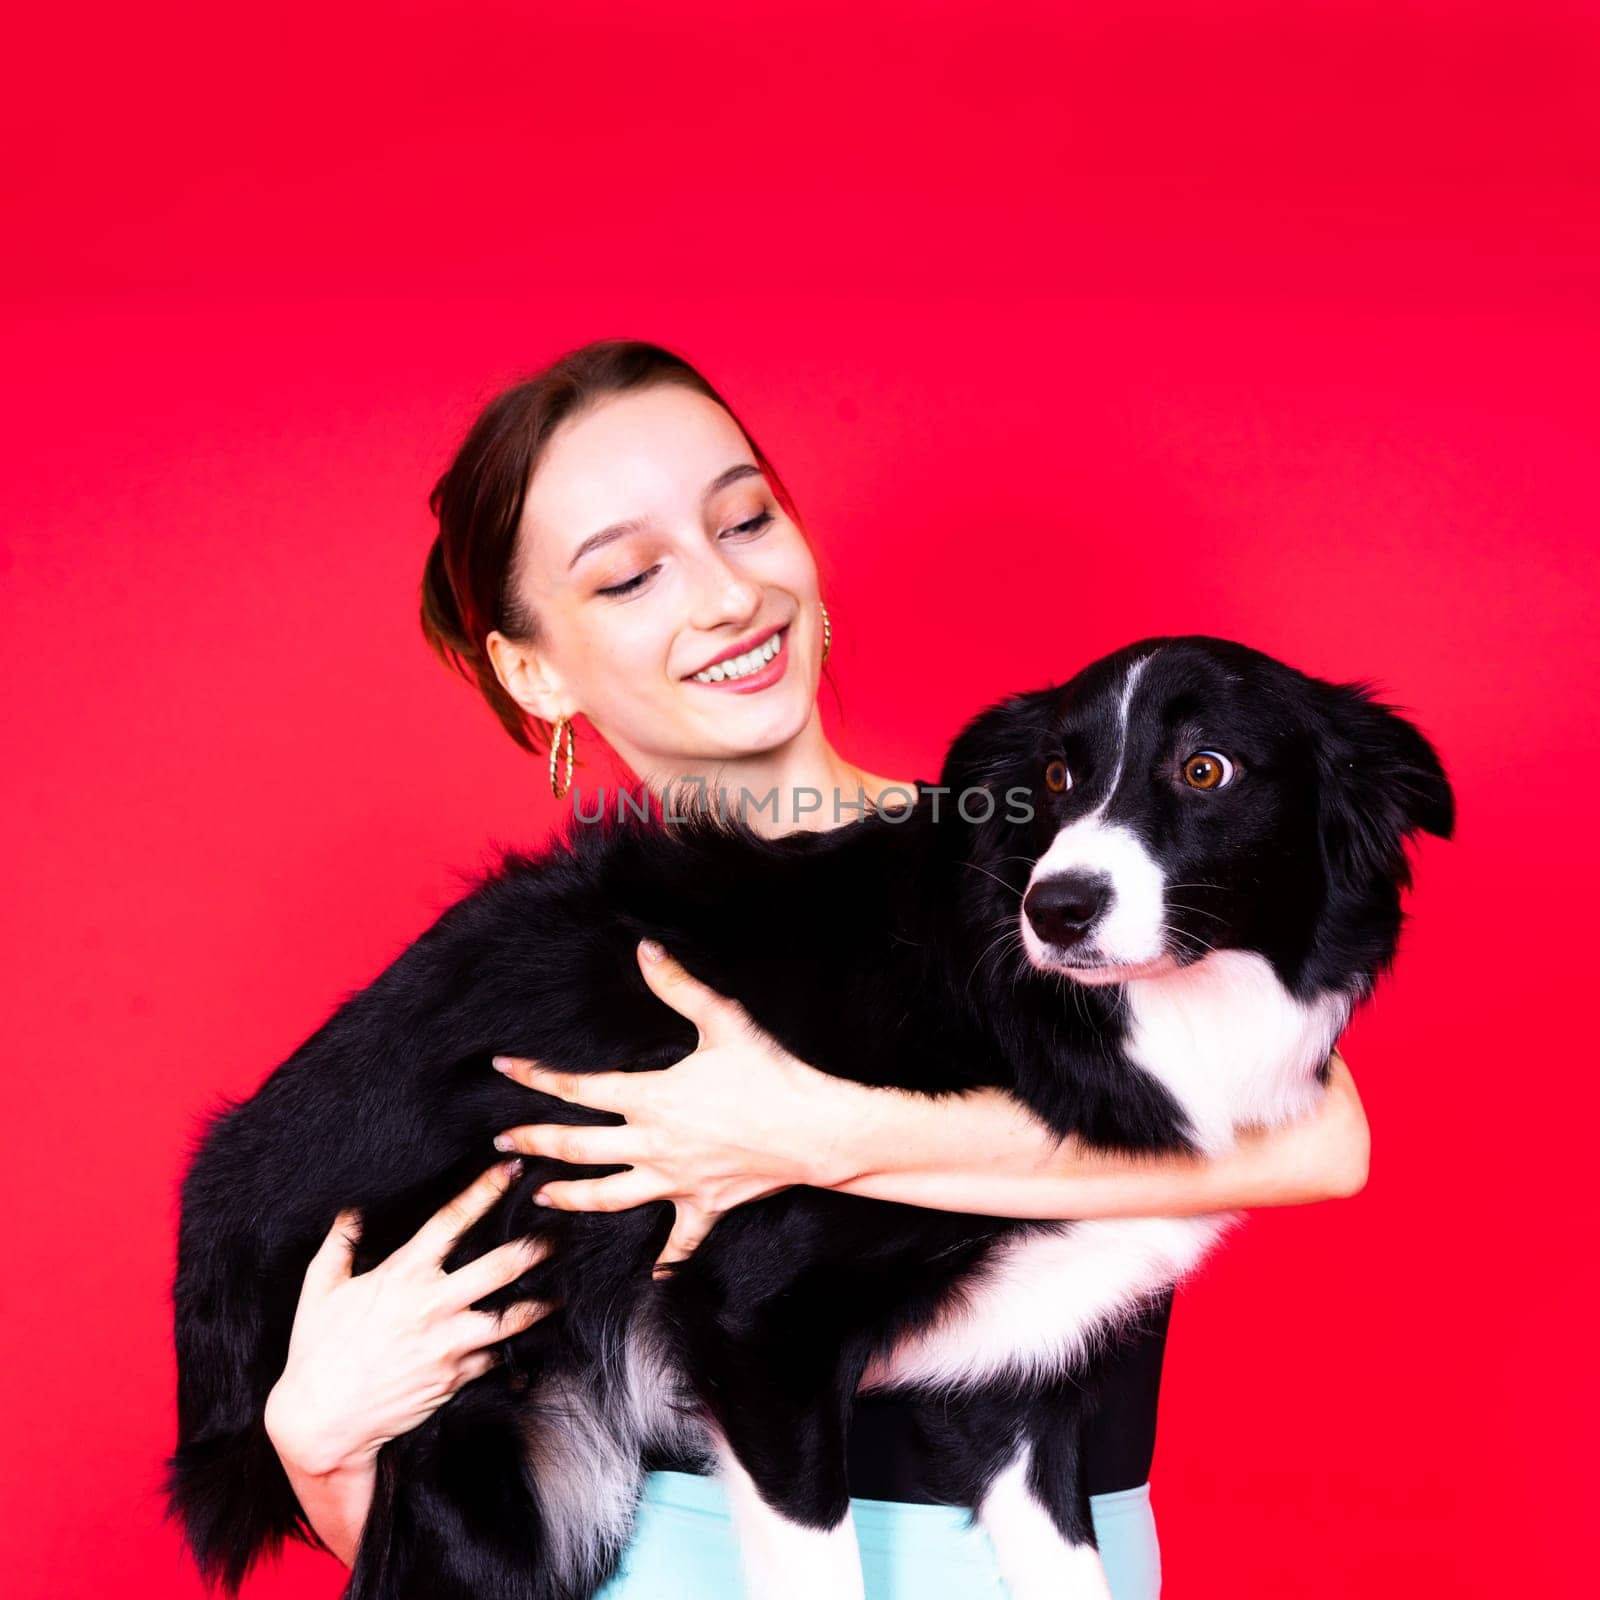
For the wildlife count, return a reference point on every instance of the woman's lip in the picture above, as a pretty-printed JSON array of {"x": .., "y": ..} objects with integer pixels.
[
  {"x": 737, "y": 650},
  {"x": 764, "y": 679}
]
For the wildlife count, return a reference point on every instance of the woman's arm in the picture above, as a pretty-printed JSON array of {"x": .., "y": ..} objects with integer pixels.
[
  {"x": 741, "y": 1118},
  {"x": 984, "y": 1152},
  {"x": 336, "y": 1503}
]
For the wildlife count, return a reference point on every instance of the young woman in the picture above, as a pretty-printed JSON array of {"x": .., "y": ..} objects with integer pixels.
[{"x": 609, "y": 534}]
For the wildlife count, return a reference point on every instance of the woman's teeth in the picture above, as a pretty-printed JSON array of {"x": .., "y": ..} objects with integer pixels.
[{"x": 742, "y": 666}]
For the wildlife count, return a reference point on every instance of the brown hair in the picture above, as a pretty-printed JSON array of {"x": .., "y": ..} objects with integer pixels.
[{"x": 466, "y": 583}]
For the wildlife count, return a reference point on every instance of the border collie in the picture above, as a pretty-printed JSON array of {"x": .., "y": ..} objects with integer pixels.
[{"x": 1187, "y": 872}]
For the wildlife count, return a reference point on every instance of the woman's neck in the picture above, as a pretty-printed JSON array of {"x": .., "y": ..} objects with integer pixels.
[{"x": 803, "y": 785}]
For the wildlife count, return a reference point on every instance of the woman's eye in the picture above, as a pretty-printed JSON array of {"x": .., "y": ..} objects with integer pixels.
[
  {"x": 754, "y": 525},
  {"x": 1207, "y": 769},
  {"x": 1057, "y": 778},
  {"x": 629, "y": 584}
]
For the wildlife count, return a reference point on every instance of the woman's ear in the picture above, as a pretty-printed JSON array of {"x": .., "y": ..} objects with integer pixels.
[
  {"x": 526, "y": 676},
  {"x": 1380, "y": 782}
]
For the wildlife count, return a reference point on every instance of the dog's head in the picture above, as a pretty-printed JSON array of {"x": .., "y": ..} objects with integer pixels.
[{"x": 1189, "y": 794}]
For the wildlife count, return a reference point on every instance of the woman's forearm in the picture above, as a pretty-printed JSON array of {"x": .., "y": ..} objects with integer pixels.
[
  {"x": 336, "y": 1504},
  {"x": 983, "y": 1152}
]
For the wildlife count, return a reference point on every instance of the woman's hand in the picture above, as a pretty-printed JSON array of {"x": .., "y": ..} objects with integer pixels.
[
  {"x": 373, "y": 1355},
  {"x": 737, "y": 1119}
]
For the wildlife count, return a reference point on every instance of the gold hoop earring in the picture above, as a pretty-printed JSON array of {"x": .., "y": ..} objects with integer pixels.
[
  {"x": 827, "y": 632},
  {"x": 555, "y": 741}
]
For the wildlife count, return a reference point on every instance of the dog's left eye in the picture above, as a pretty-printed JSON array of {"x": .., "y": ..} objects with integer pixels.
[
  {"x": 1207, "y": 769},
  {"x": 1057, "y": 779}
]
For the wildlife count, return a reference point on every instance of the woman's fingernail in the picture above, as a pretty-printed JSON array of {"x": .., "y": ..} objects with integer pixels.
[
  {"x": 504, "y": 1141},
  {"x": 513, "y": 1167},
  {"x": 652, "y": 950},
  {"x": 501, "y": 1063},
  {"x": 542, "y": 1199}
]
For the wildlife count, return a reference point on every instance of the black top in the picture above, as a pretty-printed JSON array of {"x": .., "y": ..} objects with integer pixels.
[{"x": 886, "y": 1450}]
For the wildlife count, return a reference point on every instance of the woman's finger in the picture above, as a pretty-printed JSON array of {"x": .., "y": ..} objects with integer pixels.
[
  {"x": 432, "y": 1242},
  {"x": 579, "y": 1146},
  {"x": 494, "y": 1269},
  {"x": 619, "y": 1192},
  {"x": 1339, "y": 1085},
  {"x": 671, "y": 982},
  {"x": 690, "y": 1226},
  {"x": 600, "y": 1091},
  {"x": 474, "y": 1330},
  {"x": 474, "y": 1365},
  {"x": 336, "y": 1254}
]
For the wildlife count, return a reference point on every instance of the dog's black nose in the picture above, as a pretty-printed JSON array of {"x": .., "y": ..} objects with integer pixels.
[{"x": 1064, "y": 908}]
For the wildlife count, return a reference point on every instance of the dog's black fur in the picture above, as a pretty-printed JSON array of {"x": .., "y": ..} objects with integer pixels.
[{"x": 876, "y": 951}]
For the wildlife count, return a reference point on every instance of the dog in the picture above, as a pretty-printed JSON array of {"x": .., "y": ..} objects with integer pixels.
[{"x": 1144, "y": 901}]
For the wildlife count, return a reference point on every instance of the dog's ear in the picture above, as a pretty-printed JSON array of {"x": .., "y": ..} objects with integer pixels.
[
  {"x": 1381, "y": 781},
  {"x": 1001, "y": 745}
]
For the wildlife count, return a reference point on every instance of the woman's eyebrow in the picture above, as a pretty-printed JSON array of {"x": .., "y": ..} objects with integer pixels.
[
  {"x": 605, "y": 536},
  {"x": 734, "y": 474}
]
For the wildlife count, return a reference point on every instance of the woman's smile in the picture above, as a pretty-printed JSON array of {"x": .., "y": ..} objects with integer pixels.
[{"x": 750, "y": 671}]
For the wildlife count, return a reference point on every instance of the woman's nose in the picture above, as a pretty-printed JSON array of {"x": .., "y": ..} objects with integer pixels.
[{"x": 724, "y": 594}]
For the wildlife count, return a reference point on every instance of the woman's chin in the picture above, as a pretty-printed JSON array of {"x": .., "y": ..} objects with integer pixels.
[{"x": 734, "y": 726}]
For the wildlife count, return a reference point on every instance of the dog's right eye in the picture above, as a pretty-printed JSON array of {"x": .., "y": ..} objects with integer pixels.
[
  {"x": 1208, "y": 769},
  {"x": 1056, "y": 777}
]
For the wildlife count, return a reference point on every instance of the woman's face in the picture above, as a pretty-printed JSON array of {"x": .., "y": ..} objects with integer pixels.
[{"x": 650, "y": 546}]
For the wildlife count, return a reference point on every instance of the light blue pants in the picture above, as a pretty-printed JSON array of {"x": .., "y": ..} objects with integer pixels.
[{"x": 684, "y": 1547}]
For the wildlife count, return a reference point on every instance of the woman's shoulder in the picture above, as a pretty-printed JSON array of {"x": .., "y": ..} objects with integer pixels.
[{"x": 892, "y": 794}]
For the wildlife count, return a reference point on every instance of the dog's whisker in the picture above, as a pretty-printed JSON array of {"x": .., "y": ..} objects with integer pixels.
[
  {"x": 1199, "y": 911},
  {"x": 1009, "y": 887},
  {"x": 1193, "y": 938},
  {"x": 984, "y": 955}
]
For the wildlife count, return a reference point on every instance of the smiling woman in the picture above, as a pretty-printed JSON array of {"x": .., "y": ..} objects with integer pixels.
[
  {"x": 569, "y": 600},
  {"x": 636, "y": 620},
  {"x": 614, "y": 546}
]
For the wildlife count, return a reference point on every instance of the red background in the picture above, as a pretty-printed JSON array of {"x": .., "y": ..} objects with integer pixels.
[{"x": 1064, "y": 329}]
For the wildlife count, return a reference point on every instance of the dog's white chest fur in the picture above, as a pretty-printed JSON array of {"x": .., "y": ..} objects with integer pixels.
[
  {"x": 1233, "y": 1048},
  {"x": 1231, "y": 1044}
]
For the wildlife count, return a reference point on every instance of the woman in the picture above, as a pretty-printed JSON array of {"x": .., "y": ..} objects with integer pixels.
[{"x": 609, "y": 533}]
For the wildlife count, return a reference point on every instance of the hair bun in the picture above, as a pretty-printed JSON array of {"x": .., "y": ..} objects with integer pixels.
[{"x": 442, "y": 622}]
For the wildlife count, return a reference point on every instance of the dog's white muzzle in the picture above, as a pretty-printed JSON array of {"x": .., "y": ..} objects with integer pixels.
[{"x": 1095, "y": 906}]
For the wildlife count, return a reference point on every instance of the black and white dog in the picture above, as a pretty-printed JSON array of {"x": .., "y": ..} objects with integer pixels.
[{"x": 1145, "y": 902}]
